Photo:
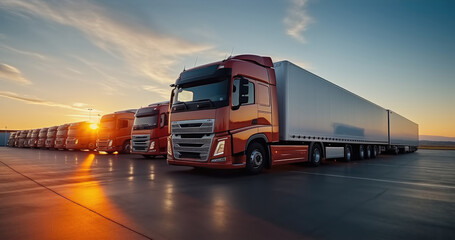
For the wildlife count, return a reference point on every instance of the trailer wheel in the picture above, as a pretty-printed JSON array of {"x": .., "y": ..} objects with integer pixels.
[
  {"x": 348, "y": 153},
  {"x": 255, "y": 158},
  {"x": 395, "y": 150},
  {"x": 360, "y": 152},
  {"x": 315, "y": 155},
  {"x": 375, "y": 151},
  {"x": 368, "y": 151}
]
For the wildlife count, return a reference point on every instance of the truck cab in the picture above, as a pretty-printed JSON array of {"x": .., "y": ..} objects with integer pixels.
[
  {"x": 22, "y": 138},
  {"x": 11, "y": 139},
  {"x": 33, "y": 140},
  {"x": 42, "y": 135},
  {"x": 61, "y": 136},
  {"x": 82, "y": 135},
  {"x": 114, "y": 134},
  {"x": 50, "y": 137},
  {"x": 219, "y": 109},
  {"x": 150, "y": 130}
]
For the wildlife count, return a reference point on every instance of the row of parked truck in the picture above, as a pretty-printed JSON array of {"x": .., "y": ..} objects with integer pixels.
[
  {"x": 142, "y": 131},
  {"x": 248, "y": 112}
]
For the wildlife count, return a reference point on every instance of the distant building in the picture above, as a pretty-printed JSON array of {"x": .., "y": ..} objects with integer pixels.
[{"x": 4, "y": 135}]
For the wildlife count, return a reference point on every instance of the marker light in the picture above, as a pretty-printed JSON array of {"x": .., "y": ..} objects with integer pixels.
[
  {"x": 169, "y": 146},
  {"x": 219, "y": 148},
  {"x": 152, "y": 145},
  {"x": 109, "y": 143},
  {"x": 93, "y": 126},
  {"x": 76, "y": 141}
]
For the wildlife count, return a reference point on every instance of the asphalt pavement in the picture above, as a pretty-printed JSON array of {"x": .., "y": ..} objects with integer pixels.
[{"x": 47, "y": 194}]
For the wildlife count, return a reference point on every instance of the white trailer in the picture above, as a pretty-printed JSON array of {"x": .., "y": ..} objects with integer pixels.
[
  {"x": 312, "y": 109},
  {"x": 403, "y": 133}
]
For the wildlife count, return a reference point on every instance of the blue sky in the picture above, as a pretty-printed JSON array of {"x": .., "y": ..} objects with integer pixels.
[{"x": 59, "y": 58}]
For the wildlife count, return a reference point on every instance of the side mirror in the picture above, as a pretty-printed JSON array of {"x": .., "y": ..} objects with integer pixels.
[{"x": 244, "y": 90}]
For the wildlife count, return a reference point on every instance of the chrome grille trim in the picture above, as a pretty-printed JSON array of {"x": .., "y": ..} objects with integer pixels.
[
  {"x": 140, "y": 143},
  {"x": 201, "y": 127}
]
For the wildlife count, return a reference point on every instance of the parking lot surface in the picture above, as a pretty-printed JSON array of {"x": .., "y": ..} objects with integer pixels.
[{"x": 84, "y": 195}]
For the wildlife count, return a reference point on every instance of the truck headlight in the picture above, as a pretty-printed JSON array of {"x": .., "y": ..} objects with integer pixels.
[
  {"x": 152, "y": 145},
  {"x": 219, "y": 148}
]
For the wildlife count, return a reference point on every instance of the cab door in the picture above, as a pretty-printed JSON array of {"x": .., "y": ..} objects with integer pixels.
[{"x": 244, "y": 113}]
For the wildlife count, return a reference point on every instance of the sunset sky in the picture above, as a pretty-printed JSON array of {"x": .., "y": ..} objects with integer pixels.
[{"x": 60, "y": 58}]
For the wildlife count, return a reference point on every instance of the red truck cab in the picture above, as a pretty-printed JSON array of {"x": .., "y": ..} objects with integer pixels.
[
  {"x": 33, "y": 140},
  {"x": 82, "y": 135},
  {"x": 42, "y": 136},
  {"x": 50, "y": 137},
  {"x": 220, "y": 109},
  {"x": 150, "y": 130},
  {"x": 61, "y": 136},
  {"x": 114, "y": 132},
  {"x": 22, "y": 139}
]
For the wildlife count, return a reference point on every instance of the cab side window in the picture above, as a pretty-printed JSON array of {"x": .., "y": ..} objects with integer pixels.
[
  {"x": 236, "y": 92},
  {"x": 163, "y": 120}
]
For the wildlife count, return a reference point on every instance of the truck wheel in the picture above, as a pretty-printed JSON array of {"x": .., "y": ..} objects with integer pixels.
[
  {"x": 126, "y": 147},
  {"x": 347, "y": 153},
  {"x": 375, "y": 151},
  {"x": 360, "y": 152},
  {"x": 91, "y": 146},
  {"x": 396, "y": 151},
  {"x": 316, "y": 155},
  {"x": 255, "y": 158},
  {"x": 368, "y": 151}
]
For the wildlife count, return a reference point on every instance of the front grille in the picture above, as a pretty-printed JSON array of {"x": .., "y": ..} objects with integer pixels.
[
  {"x": 192, "y": 139},
  {"x": 140, "y": 143},
  {"x": 103, "y": 143}
]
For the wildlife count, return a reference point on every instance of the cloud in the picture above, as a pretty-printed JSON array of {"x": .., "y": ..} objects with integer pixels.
[
  {"x": 147, "y": 52},
  {"x": 13, "y": 74},
  {"x": 26, "y": 53},
  {"x": 161, "y": 91},
  {"x": 80, "y": 105},
  {"x": 37, "y": 101},
  {"x": 297, "y": 20}
]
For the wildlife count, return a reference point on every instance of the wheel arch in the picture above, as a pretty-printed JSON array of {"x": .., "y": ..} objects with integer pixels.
[{"x": 261, "y": 139}]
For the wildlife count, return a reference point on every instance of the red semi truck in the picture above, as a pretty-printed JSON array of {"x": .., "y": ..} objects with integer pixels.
[
  {"x": 114, "y": 132},
  {"x": 42, "y": 135},
  {"x": 82, "y": 135},
  {"x": 22, "y": 138},
  {"x": 246, "y": 112},
  {"x": 33, "y": 140},
  {"x": 50, "y": 137},
  {"x": 60, "y": 138},
  {"x": 150, "y": 130}
]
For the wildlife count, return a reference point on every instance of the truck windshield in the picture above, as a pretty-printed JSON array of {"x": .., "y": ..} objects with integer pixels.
[
  {"x": 147, "y": 122},
  {"x": 62, "y": 133},
  {"x": 51, "y": 133},
  {"x": 213, "y": 94},
  {"x": 107, "y": 124}
]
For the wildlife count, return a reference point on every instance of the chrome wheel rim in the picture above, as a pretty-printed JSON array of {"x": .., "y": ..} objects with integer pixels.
[{"x": 256, "y": 158}]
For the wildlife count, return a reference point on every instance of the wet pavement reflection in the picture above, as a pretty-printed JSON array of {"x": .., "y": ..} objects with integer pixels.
[{"x": 84, "y": 195}]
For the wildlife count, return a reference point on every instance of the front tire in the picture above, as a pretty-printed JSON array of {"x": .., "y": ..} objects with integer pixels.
[
  {"x": 126, "y": 147},
  {"x": 255, "y": 158}
]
